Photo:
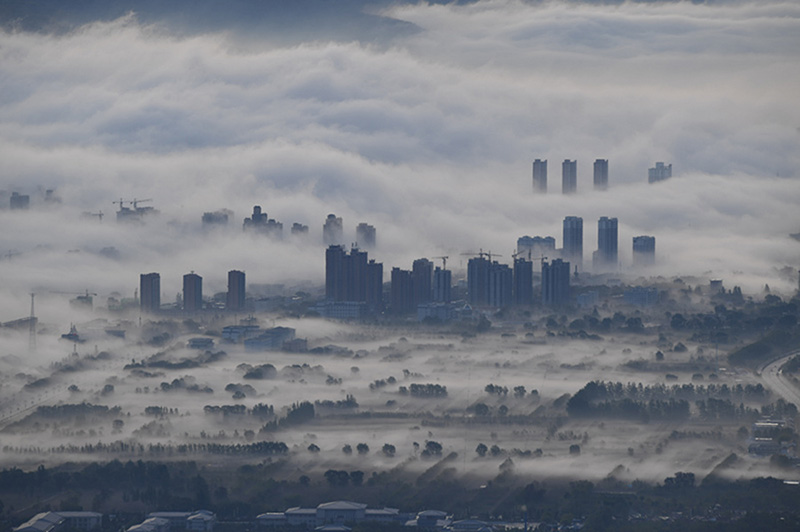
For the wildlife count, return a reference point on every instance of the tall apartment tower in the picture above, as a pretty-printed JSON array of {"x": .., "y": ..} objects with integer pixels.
[
  {"x": 442, "y": 285},
  {"x": 523, "y": 281},
  {"x": 150, "y": 292},
  {"x": 555, "y": 282},
  {"x": 659, "y": 173},
  {"x": 355, "y": 275},
  {"x": 601, "y": 174},
  {"x": 569, "y": 176},
  {"x": 192, "y": 292},
  {"x": 422, "y": 279},
  {"x": 365, "y": 236},
  {"x": 402, "y": 291},
  {"x": 478, "y": 281},
  {"x": 351, "y": 276},
  {"x": 334, "y": 273},
  {"x": 644, "y": 250},
  {"x": 375, "y": 284},
  {"x": 540, "y": 176},
  {"x": 333, "y": 231},
  {"x": 501, "y": 282},
  {"x": 236, "y": 293},
  {"x": 573, "y": 241},
  {"x": 606, "y": 256},
  {"x": 534, "y": 247}
]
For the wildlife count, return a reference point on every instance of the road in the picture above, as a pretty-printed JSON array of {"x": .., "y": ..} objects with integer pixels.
[{"x": 777, "y": 382}]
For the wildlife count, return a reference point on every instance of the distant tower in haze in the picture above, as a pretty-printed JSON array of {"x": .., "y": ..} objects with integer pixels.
[
  {"x": 573, "y": 241},
  {"x": 365, "y": 235},
  {"x": 523, "y": 281},
  {"x": 555, "y": 282},
  {"x": 644, "y": 250},
  {"x": 422, "y": 279},
  {"x": 442, "y": 285},
  {"x": 352, "y": 277},
  {"x": 534, "y": 247},
  {"x": 540, "y": 176},
  {"x": 601, "y": 174},
  {"x": 606, "y": 256},
  {"x": 501, "y": 282},
  {"x": 236, "y": 293},
  {"x": 150, "y": 292},
  {"x": 659, "y": 173},
  {"x": 299, "y": 229},
  {"x": 478, "y": 281},
  {"x": 402, "y": 291},
  {"x": 333, "y": 231},
  {"x": 192, "y": 292},
  {"x": 569, "y": 176}
]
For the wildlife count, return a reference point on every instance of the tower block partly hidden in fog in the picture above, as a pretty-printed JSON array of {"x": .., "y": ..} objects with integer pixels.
[
  {"x": 351, "y": 277},
  {"x": 192, "y": 292},
  {"x": 644, "y": 250},
  {"x": 523, "y": 281},
  {"x": 573, "y": 241},
  {"x": 333, "y": 231},
  {"x": 540, "y": 176},
  {"x": 555, "y": 282},
  {"x": 150, "y": 292},
  {"x": 606, "y": 256},
  {"x": 569, "y": 176},
  {"x": 365, "y": 236},
  {"x": 659, "y": 173},
  {"x": 601, "y": 174},
  {"x": 236, "y": 293}
]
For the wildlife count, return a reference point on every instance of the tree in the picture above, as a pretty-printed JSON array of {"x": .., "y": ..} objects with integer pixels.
[
  {"x": 575, "y": 449},
  {"x": 347, "y": 449},
  {"x": 432, "y": 448},
  {"x": 357, "y": 477},
  {"x": 519, "y": 391},
  {"x": 481, "y": 449},
  {"x": 313, "y": 448},
  {"x": 362, "y": 448},
  {"x": 389, "y": 449}
]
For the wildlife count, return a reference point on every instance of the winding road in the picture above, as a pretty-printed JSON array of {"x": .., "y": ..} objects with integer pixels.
[{"x": 773, "y": 377}]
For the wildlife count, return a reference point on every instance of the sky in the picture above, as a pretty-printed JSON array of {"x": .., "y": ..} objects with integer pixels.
[{"x": 427, "y": 133}]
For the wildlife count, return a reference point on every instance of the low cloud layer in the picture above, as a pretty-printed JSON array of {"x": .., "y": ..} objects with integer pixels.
[{"x": 429, "y": 137}]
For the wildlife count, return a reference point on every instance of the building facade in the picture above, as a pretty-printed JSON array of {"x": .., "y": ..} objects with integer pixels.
[
  {"x": 333, "y": 231},
  {"x": 150, "y": 292},
  {"x": 540, "y": 176},
  {"x": 236, "y": 292},
  {"x": 555, "y": 282},
  {"x": 569, "y": 176},
  {"x": 606, "y": 257},
  {"x": 660, "y": 172},
  {"x": 365, "y": 236},
  {"x": 601, "y": 174},
  {"x": 192, "y": 292},
  {"x": 644, "y": 250},
  {"x": 573, "y": 241}
]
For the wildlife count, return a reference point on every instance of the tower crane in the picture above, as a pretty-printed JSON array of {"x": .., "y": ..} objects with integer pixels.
[{"x": 444, "y": 261}]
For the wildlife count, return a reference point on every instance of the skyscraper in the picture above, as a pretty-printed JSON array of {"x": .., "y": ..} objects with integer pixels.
[
  {"x": 606, "y": 256},
  {"x": 334, "y": 273},
  {"x": 644, "y": 250},
  {"x": 555, "y": 282},
  {"x": 569, "y": 176},
  {"x": 601, "y": 174},
  {"x": 355, "y": 275},
  {"x": 540, "y": 176},
  {"x": 536, "y": 246},
  {"x": 192, "y": 292},
  {"x": 259, "y": 222},
  {"x": 500, "y": 285},
  {"x": 375, "y": 285},
  {"x": 402, "y": 291},
  {"x": 365, "y": 235},
  {"x": 573, "y": 241},
  {"x": 150, "y": 292},
  {"x": 478, "y": 280},
  {"x": 422, "y": 279},
  {"x": 659, "y": 173},
  {"x": 523, "y": 281},
  {"x": 351, "y": 276},
  {"x": 236, "y": 292},
  {"x": 333, "y": 231},
  {"x": 442, "y": 285}
]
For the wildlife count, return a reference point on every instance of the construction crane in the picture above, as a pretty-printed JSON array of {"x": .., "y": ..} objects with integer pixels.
[
  {"x": 444, "y": 261},
  {"x": 83, "y": 299},
  {"x": 135, "y": 202}
]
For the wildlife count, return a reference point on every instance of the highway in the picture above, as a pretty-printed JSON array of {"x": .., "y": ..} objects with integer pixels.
[{"x": 777, "y": 382}]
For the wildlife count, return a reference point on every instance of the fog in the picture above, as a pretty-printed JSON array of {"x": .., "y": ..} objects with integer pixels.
[{"x": 426, "y": 132}]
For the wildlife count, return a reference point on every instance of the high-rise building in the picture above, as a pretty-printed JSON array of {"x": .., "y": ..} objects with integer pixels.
[
  {"x": 478, "y": 281},
  {"x": 601, "y": 174},
  {"x": 422, "y": 279},
  {"x": 150, "y": 292},
  {"x": 402, "y": 291},
  {"x": 19, "y": 201},
  {"x": 259, "y": 222},
  {"x": 365, "y": 235},
  {"x": 375, "y": 285},
  {"x": 523, "y": 281},
  {"x": 569, "y": 176},
  {"x": 555, "y": 282},
  {"x": 192, "y": 292},
  {"x": 501, "y": 282},
  {"x": 236, "y": 292},
  {"x": 333, "y": 231},
  {"x": 216, "y": 218},
  {"x": 299, "y": 229},
  {"x": 540, "y": 176},
  {"x": 644, "y": 250},
  {"x": 573, "y": 241},
  {"x": 351, "y": 276},
  {"x": 536, "y": 247},
  {"x": 659, "y": 173},
  {"x": 606, "y": 256},
  {"x": 442, "y": 285}
]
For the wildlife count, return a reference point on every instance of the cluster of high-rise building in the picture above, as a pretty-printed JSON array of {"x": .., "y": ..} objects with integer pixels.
[
  {"x": 150, "y": 292},
  {"x": 569, "y": 175}
]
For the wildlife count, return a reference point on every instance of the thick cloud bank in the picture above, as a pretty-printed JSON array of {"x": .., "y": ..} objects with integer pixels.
[{"x": 430, "y": 139}]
